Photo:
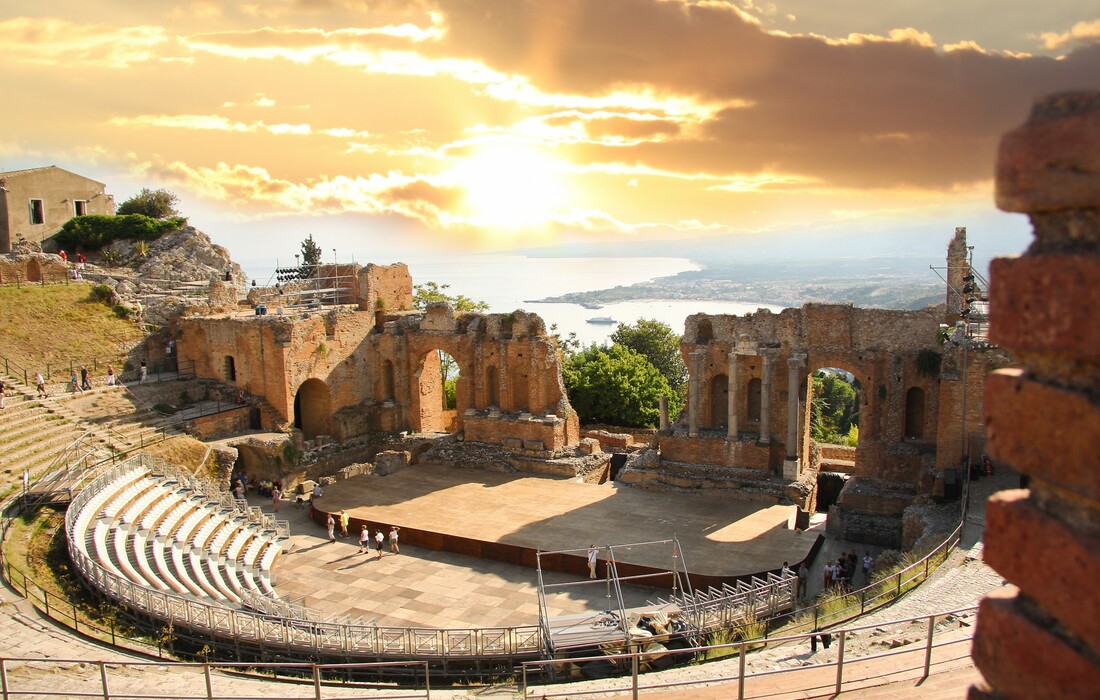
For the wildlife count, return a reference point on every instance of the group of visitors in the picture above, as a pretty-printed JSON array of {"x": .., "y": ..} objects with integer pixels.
[
  {"x": 79, "y": 380},
  {"x": 842, "y": 571},
  {"x": 365, "y": 538},
  {"x": 76, "y": 271}
]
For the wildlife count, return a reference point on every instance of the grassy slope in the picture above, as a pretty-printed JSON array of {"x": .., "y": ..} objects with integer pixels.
[{"x": 57, "y": 323}]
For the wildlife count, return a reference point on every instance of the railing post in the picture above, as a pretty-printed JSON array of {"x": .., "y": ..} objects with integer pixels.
[
  {"x": 316, "y": 682},
  {"x": 103, "y": 680},
  {"x": 741, "y": 671},
  {"x": 4, "y": 678},
  {"x": 634, "y": 674},
  {"x": 840, "y": 664},
  {"x": 76, "y": 623},
  {"x": 209, "y": 682},
  {"x": 928, "y": 646}
]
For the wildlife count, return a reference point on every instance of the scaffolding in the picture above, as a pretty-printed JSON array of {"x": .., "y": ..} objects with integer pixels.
[
  {"x": 309, "y": 287},
  {"x": 612, "y": 624}
]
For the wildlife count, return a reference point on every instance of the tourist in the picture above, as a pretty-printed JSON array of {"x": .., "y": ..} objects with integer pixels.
[
  {"x": 393, "y": 540},
  {"x": 238, "y": 492},
  {"x": 74, "y": 383},
  {"x": 275, "y": 496},
  {"x": 110, "y": 376},
  {"x": 64, "y": 257},
  {"x": 364, "y": 540},
  {"x": 1, "y": 394},
  {"x": 80, "y": 260},
  {"x": 593, "y": 555},
  {"x": 317, "y": 492},
  {"x": 41, "y": 382},
  {"x": 331, "y": 524},
  {"x": 803, "y": 579},
  {"x": 84, "y": 383},
  {"x": 143, "y": 372},
  {"x": 378, "y": 537},
  {"x": 868, "y": 565},
  {"x": 344, "y": 519},
  {"x": 827, "y": 576}
]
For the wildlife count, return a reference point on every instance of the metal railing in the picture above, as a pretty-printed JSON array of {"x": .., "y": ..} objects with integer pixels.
[
  {"x": 629, "y": 665},
  {"x": 115, "y": 679}
]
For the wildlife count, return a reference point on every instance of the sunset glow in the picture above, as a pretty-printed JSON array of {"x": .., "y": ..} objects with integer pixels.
[{"x": 491, "y": 123}]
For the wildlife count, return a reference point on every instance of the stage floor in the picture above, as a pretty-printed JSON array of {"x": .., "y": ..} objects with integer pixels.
[
  {"x": 431, "y": 588},
  {"x": 720, "y": 536}
]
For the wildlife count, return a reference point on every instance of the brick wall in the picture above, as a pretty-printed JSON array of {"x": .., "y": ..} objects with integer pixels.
[{"x": 1042, "y": 639}]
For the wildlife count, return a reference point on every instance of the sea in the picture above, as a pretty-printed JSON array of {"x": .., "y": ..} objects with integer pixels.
[{"x": 507, "y": 282}]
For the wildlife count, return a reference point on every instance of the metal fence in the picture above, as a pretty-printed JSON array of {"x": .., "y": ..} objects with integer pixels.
[{"x": 629, "y": 666}]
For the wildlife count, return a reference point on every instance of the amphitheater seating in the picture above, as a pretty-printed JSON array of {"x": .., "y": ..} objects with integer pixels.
[{"x": 158, "y": 533}]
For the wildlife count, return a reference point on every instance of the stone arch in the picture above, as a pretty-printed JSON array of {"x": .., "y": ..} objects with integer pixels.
[
  {"x": 313, "y": 408},
  {"x": 492, "y": 386},
  {"x": 914, "y": 413},
  {"x": 387, "y": 381},
  {"x": 34, "y": 271},
  {"x": 718, "y": 404},
  {"x": 434, "y": 415},
  {"x": 752, "y": 400}
]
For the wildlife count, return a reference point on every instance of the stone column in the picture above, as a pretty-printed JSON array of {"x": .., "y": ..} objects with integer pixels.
[
  {"x": 766, "y": 396},
  {"x": 731, "y": 416},
  {"x": 694, "y": 384},
  {"x": 662, "y": 407},
  {"x": 794, "y": 371}
]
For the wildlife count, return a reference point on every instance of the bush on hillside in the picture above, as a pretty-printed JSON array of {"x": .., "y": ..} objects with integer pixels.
[{"x": 94, "y": 231}]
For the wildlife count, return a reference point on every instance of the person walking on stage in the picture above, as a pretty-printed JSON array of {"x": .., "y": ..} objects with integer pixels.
[
  {"x": 593, "y": 555},
  {"x": 393, "y": 540},
  {"x": 331, "y": 523},
  {"x": 344, "y": 520},
  {"x": 378, "y": 537},
  {"x": 364, "y": 540}
]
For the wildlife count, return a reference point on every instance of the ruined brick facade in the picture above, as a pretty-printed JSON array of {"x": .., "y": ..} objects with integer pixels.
[
  {"x": 371, "y": 364},
  {"x": 1042, "y": 639}
]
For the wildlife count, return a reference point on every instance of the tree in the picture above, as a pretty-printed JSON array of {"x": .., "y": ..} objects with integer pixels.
[
  {"x": 430, "y": 292},
  {"x": 616, "y": 385},
  {"x": 156, "y": 204},
  {"x": 658, "y": 343},
  {"x": 834, "y": 409},
  {"x": 311, "y": 257}
]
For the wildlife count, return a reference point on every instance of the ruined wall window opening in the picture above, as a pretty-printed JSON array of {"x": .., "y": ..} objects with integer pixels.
[
  {"x": 80, "y": 207},
  {"x": 914, "y": 414},
  {"x": 387, "y": 381},
  {"x": 835, "y": 399},
  {"x": 753, "y": 399},
  {"x": 719, "y": 402},
  {"x": 230, "y": 369},
  {"x": 704, "y": 332},
  {"x": 312, "y": 408},
  {"x": 439, "y": 385},
  {"x": 492, "y": 387},
  {"x": 37, "y": 211}
]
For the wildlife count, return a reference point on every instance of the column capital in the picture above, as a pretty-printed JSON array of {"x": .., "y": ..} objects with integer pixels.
[{"x": 797, "y": 360}]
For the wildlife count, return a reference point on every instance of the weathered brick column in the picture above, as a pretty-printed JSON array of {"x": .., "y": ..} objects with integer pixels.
[{"x": 1043, "y": 640}]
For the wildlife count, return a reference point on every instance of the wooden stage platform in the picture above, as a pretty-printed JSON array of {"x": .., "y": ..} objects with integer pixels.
[{"x": 510, "y": 517}]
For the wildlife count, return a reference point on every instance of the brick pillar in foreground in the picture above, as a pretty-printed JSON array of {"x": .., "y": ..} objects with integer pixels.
[{"x": 1042, "y": 640}]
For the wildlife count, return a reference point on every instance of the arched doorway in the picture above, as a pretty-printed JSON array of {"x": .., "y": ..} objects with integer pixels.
[
  {"x": 439, "y": 383},
  {"x": 719, "y": 402},
  {"x": 312, "y": 409},
  {"x": 34, "y": 272}
]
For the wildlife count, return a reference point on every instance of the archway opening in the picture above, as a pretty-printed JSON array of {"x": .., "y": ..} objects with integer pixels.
[
  {"x": 914, "y": 413},
  {"x": 440, "y": 383},
  {"x": 718, "y": 417},
  {"x": 834, "y": 396},
  {"x": 312, "y": 409},
  {"x": 752, "y": 397},
  {"x": 34, "y": 272}
]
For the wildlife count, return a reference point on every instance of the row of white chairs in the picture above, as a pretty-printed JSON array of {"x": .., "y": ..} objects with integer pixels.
[{"x": 160, "y": 534}]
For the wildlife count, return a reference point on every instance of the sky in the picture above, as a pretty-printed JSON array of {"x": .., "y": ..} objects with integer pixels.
[{"x": 383, "y": 127}]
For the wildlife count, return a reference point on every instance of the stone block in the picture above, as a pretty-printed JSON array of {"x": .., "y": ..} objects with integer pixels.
[
  {"x": 306, "y": 486},
  {"x": 513, "y": 443},
  {"x": 1021, "y": 658},
  {"x": 534, "y": 445},
  {"x": 327, "y": 480},
  {"x": 589, "y": 446},
  {"x": 1044, "y": 431},
  {"x": 390, "y": 461},
  {"x": 1052, "y": 162},
  {"x": 1046, "y": 303},
  {"x": 1047, "y": 559}
]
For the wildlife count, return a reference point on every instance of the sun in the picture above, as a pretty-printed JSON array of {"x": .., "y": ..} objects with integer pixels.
[{"x": 510, "y": 186}]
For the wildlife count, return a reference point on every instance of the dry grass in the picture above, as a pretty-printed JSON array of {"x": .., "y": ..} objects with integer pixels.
[
  {"x": 58, "y": 323},
  {"x": 181, "y": 450}
]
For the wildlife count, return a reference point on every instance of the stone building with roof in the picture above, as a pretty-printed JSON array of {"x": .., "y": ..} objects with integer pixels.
[{"x": 36, "y": 202}]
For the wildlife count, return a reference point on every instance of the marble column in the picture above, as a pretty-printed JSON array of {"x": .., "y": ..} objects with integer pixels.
[
  {"x": 731, "y": 415},
  {"x": 696, "y": 381},
  {"x": 766, "y": 397},
  {"x": 792, "y": 464},
  {"x": 662, "y": 407}
]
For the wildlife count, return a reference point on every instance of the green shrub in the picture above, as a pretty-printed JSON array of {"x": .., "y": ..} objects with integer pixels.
[
  {"x": 94, "y": 231},
  {"x": 101, "y": 293}
]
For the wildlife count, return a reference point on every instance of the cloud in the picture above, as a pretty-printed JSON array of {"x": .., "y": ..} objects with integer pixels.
[
  {"x": 57, "y": 42},
  {"x": 1080, "y": 32}
]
